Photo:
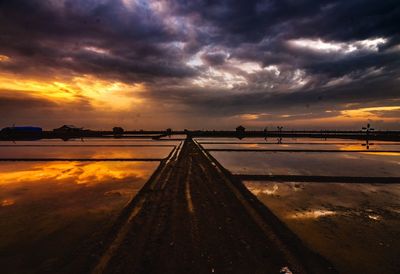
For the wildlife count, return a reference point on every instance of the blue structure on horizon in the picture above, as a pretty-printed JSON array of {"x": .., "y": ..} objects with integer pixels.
[
  {"x": 21, "y": 133},
  {"x": 22, "y": 129}
]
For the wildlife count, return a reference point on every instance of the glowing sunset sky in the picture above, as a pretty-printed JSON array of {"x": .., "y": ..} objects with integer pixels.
[{"x": 200, "y": 64}]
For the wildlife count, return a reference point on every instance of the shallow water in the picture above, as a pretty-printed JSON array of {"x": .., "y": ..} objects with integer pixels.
[
  {"x": 51, "y": 212},
  {"x": 275, "y": 140},
  {"x": 381, "y": 146},
  {"x": 302, "y": 163},
  {"x": 85, "y": 152},
  {"x": 93, "y": 141},
  {"x": 355, "y": 226},
  {"x": 90, "y": 148}
]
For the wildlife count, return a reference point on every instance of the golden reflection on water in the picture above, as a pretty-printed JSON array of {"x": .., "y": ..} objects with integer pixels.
[
  {"x": 311, "y": 214},
  {"x": 84, "y": 152},
  {"x": 7, "y": 202},
  {"x": 267, "y": 190},
  {"x": 48, "y": 210},
  {"x": 351, "y": 147},
  {"x": 370, "y": 149},
  {"x": 76, "y": 172},
  {"x": 248, "y": 146},
  {"x": 383, "y": 153}
]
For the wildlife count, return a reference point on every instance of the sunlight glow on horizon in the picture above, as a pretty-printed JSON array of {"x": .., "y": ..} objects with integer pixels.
[
  {"x": 369, "y": 112},
  {"x": 114, "y": 95},
  {"x": 111, "y": 96},
  {"x": 346, "y": 117}
]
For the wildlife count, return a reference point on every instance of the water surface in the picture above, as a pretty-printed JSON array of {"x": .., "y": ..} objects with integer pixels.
[
  {"x": 381, "y": 146},
  {"x": 360, "y": 164},
  {"x": 52, "y": 212},
  {"x": 85, "y": 152},
  {"x": 355, "y": 226}
]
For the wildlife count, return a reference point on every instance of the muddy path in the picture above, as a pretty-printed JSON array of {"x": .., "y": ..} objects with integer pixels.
[{"x": 194, "y": 217}]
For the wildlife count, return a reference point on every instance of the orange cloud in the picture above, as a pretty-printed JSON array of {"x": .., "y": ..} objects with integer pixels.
[
  {"x": 4, "y": 58},
  {"x": 370, "y": 113},
  {"x": 106, "y": 94}
]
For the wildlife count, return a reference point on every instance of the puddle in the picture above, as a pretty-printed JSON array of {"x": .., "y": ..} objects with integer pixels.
[
  {"x": 84, "y": 152},
  {"x": 275, "y": 140},
  {"x": 311, "y": 214},
  {"x": 93, "y": 141},
  {"x": 355, "y": 226},
  {"x": 310, "y": 146},
  {"x": 50, "y": 211},
  {"x": 303, "y": 163}
]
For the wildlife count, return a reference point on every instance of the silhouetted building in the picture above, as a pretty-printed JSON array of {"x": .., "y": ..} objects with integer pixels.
[
  {"x": 118, "y": 130},
  {"x": 240, "y": 129},
  {"x": 68, "y": 129}
]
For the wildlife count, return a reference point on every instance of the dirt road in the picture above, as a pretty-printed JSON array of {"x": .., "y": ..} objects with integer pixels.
[{"x": 193, "y": 217}]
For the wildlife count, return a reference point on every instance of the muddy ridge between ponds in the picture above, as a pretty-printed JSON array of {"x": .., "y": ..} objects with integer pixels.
[{"x": 192, "y": 216}]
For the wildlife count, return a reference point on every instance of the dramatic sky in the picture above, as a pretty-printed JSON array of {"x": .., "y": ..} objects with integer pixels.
[{"x": 200, "y": 64}]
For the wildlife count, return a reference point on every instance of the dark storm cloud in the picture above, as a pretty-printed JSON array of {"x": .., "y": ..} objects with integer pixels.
[
  {"x": 10, "y": 103},
  {"x": 183, "y": 49},
  {"x": 20, "y": 108},
  {"x": 377, "y": 91},
  {"x": 257, "y": 30},
  {"x": 51, "y": 34},
  {"x": 139, "y": 40},
  {"x": 338, "y": 20},
  {"x": 214, "y": 59}
]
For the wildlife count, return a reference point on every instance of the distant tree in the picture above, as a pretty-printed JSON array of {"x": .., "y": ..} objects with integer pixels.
[{"x": 118, "y": 130}]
